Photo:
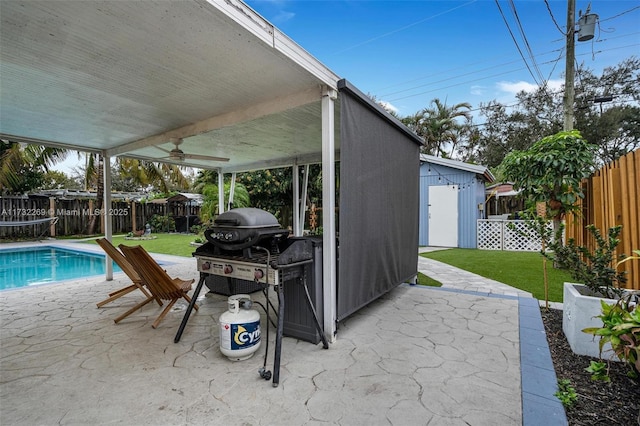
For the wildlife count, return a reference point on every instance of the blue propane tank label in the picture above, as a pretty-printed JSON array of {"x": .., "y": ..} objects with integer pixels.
[{"x": 243, "y": 336}]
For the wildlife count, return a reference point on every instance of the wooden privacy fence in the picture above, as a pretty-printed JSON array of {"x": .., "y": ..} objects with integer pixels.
[
  {"x": 74, "y": 214},
  {"x": 612, "y": 197}
]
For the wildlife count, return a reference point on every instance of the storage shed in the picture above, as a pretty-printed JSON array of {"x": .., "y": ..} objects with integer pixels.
[
  {"x": 452, "y": 195},
  {"x": 185, "y": 208}
]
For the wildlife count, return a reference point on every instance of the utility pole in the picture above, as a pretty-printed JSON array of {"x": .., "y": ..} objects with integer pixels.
[{"x": 569, "y": 95}]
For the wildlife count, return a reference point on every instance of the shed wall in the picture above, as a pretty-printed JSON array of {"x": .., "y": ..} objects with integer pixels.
[{"x": 470, "y": 195}]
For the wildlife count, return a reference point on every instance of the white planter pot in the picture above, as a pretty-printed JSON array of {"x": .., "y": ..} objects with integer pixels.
[{"x": 579, "y": 312}]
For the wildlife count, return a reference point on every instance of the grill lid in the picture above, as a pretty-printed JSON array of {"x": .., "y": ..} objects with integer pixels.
[
  {"x": 246, "y": 217},
  {"x": 242, "y": 228}
]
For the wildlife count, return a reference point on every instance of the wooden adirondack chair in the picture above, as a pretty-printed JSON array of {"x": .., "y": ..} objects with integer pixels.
[
  {"x": 159, "y": 283},
  {"x": 137, "y": 282}
]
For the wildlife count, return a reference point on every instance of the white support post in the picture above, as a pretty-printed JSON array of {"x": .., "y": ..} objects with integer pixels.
[
  {"x": 220, "y": 192},
  {"x": 296, "y": 200},
  {"x": 303, "y": 204},
  {"x": 232, "y": 190},
  {"x": 106, "y": 211},
  {"x": 328, "y": 213}
]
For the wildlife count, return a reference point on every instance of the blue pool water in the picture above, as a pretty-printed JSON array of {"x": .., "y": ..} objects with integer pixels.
[{"x": 41, "y": 265}]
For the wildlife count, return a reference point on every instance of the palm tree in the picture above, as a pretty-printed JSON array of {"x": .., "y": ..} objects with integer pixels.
[
  {"x": 22, "y": 164},
  {"x": 439, "y": 127},
  {"x": 164, "y": 176},
  {"x": 210, "y": 199},
  {"x": 94, "y": 178}
]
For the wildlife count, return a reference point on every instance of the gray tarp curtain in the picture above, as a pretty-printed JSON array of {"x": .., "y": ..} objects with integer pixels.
[{"x": 379, "y": 202}]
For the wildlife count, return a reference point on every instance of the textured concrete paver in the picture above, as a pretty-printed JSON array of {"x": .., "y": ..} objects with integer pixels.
[{"x": 415, "y": 356}]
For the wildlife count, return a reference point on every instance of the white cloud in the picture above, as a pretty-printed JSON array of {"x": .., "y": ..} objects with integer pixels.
[
  {"x": 516, "y": 87},
  {"x": 555, "y": 84},
  {"x": 478, "y": 90},
  {"x": 388, "y": 106},
  {"x": 520, "y": 86},
  {"x": 283, "y": 16}
]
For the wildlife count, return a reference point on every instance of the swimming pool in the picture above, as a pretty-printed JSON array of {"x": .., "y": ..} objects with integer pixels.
[{"x": 28, "y": 266}]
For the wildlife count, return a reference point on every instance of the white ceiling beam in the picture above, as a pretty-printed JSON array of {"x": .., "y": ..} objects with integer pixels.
[
  {"x": 278, "y": 163},
  {"x": 249, "y": 113},
  {"x": 43, "y": 142}
]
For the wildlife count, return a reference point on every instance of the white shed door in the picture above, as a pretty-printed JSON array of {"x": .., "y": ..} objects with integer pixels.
[{"x": 443, "y": 216}]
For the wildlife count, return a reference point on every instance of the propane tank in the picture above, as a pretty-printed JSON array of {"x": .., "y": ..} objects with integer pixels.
[{"x": 239, "y": 329}]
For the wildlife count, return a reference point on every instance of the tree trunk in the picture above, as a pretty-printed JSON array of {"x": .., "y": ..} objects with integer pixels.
[{"x": 94, "y": 218}]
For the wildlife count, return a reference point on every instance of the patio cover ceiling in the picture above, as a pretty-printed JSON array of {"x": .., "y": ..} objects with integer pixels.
[{"x": 122, "y": 78}]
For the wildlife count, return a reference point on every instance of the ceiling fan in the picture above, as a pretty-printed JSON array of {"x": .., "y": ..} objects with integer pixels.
[{"x": 177, "y": 154}]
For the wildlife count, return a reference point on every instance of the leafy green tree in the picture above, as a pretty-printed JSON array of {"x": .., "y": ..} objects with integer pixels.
[
  {"x": 606, "y": 112},
  {"x": 54, "y": 179},
  {"x": 272, "y": 190},
  {"x": 269, "y": 189},
  {"x": 209, "y": 207},
  {"x": 551, "y": 171},
  {"x": 123, "y": 181},
  {"x": 517, "y": 127},
  {"x": 607, "y": 109}
]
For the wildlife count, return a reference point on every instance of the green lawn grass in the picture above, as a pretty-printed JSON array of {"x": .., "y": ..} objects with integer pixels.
[
  {"x": 428, "y": 281},
  {"x": 175, "y": 244},
  {"x": 522, "y": 270}
]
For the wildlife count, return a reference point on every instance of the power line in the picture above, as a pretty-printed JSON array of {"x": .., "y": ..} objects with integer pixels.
[
  {"x": 458, "y": 76},
  {"x": 539, "y": 74},
  {"x": 553, "y": 18},
  {"x": 526, "y": 43},
  {"x": 515, "y": 41},
  {"x": 486, "y": 77},
  {"x": 403, "y": 28},
  {"x": 620, "y": 14}
]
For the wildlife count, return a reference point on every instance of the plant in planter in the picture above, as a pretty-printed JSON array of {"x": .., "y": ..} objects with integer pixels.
[
  {"x": 597, "y": 270},
  {"x": 599, "y": 281},
  {"x": 621, "y": 329}
]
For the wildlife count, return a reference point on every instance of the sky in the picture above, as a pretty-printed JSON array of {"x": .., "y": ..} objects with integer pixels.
[{"x": 407, "y": 53}]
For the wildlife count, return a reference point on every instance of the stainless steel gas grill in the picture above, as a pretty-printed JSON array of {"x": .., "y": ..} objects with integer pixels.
[
  {"x": 244, "y": 228},
  {"x": 234, "y": 235},
  {"x": 248, "y": 245}
]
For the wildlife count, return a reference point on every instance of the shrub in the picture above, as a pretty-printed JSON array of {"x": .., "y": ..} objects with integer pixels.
[
  {"x": 595, "y": 269},
  {"x": 160, "y": 223}
]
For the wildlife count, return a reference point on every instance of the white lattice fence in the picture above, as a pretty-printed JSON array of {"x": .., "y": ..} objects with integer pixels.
[
  {"x": 496, "y": 234},
  {"x": 490, "y": 234}
]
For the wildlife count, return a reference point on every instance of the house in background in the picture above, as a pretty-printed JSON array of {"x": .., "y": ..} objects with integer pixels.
[
  {"x": 502, "y": 201},
  {"x": 452, "y": 199}
]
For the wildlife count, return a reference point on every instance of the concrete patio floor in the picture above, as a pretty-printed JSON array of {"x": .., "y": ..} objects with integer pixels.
[{"x": 416, "y": 356}]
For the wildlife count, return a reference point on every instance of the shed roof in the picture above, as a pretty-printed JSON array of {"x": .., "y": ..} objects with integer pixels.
[
  {"x": 186, "y": 197},
  {"x": 460, "y": 165}
]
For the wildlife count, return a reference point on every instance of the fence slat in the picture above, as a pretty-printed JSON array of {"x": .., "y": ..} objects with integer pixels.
[{"x": 612, "y": 197}]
